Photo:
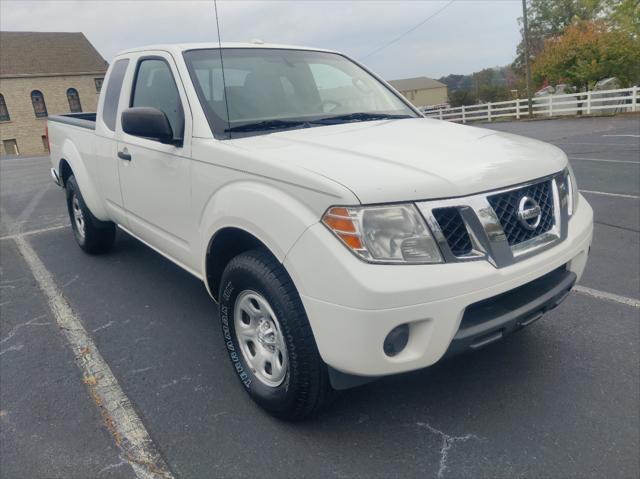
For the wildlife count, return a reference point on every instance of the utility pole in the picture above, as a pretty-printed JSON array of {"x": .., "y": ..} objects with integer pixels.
[
  {"x": 525, "y": 24},
  {"x": 475, "y": 80}
]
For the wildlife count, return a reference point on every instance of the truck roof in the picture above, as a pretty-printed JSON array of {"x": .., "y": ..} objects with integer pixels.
[{"x": 181, "y": 47}]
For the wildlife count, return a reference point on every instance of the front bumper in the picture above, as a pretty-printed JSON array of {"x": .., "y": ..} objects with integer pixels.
[
  {"x": 491, "y": 319},
  {"x": 353, "y": 305}
]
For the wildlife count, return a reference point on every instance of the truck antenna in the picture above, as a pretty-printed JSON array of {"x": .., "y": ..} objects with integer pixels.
[{"x": 224, "y": 83}]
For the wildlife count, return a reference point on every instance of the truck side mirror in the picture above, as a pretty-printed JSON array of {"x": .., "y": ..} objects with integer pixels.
[{"x": 149, "y": 123}]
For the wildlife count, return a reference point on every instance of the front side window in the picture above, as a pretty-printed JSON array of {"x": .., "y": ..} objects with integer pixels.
[
  {"x": 4, "y": 112},
  {"x": 39, "y": 106},
  {"x": 74, "y": 100},
  {"x": 290, "y": 88},
  {"x": 112, "y": 95},
  {"x": 155, "y": 87}
]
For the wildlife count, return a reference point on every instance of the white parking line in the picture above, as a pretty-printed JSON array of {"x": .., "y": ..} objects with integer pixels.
[
  {"x": 616, "y": 298},
  {"x": 632, "y": 136},
  {"x": 34, "y": 232},
  {"x": 23, "y": 159},
  {"x": 612, "y": 146},
  {"x": 603, "y": 161},
  {"x": 604, "y": 193},
  {"x": 119, "y": 416}
]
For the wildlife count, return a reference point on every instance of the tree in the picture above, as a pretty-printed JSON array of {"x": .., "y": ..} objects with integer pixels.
[
  {"x": 552, "y": 17},
  {"x": 457, "y": 82},
  {"x": 549, "y": 18},
  {"x": 588, "y": 52},
  {"x": 461, "y": 97},
  {"x": 492, "y": 93},
  {"x": 624, "y": 15}
]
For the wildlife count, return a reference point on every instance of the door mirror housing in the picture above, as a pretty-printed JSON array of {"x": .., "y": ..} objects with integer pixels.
[{"x": 148, "y": 123}]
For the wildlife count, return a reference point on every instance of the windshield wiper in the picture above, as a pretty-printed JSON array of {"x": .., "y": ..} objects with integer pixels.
[
  {"x": 360, "y": 116},
  {"x": 266, "y": 125}
]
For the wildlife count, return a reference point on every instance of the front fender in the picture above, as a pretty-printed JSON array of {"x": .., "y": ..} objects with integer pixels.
[
  {"x": 270, "y": 214},
  {"x": 87, "y": 186}
]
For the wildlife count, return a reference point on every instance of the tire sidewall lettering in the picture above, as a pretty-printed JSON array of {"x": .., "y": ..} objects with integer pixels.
[
  {"x": 238, "y": 365},
  {"x": 71, "y": 192}
]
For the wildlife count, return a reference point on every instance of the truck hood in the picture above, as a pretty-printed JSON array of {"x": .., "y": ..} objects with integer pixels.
[{"x": 410, "y": 159}]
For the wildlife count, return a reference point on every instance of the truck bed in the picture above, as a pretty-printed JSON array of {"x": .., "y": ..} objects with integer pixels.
[{"x": 83, "y": 120}]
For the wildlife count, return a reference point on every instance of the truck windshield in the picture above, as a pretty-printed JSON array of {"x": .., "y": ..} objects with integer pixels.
[{"x": 276, "y": 89}]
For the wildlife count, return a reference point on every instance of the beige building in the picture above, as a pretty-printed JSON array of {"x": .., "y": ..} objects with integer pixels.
[
  {"x": 44, "y": 74},
  {"x": 421, "y": 91}
]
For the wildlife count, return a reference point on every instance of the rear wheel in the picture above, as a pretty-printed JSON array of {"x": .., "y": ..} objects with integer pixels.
[
  {"x": 268, "y": 337},
  {"x": 91, "y": 234}
]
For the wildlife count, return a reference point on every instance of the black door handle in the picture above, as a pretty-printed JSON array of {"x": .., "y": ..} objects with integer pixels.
[{"x": 123, "y": 155}]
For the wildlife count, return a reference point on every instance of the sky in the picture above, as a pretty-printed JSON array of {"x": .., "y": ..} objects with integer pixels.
[{"x": 464, "y": 37}]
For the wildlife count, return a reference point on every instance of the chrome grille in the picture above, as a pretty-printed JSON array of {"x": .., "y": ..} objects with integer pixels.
[
  {"x": 486, "y": 225},
  {"x": 505, "y": 206},
  {"x": 454, "y": 230}
]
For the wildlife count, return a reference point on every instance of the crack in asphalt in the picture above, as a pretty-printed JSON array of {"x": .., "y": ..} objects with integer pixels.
[
  {"x": 447, "y": 443},
  {"x": 16, "y": 347},
  {"x": 12, "y": 332},
  {"x": 632, "y": 230}
]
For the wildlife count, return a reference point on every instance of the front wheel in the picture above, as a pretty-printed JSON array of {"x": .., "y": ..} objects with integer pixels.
[
  {"x": 91, "y": 234},
  {"x": 268, "y": 337}
]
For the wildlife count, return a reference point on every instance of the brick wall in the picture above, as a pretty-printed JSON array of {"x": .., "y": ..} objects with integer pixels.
[{"x": 23, "y": 125}]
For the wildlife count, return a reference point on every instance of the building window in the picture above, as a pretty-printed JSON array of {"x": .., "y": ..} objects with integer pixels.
[
  {"x": 11, "y": 147},
  {"x": 39, "y": 107},
  {"x": 45, "y": 143},
  {"x": 98, "y": 82},
  {"x": 4, "y": 113},
  {"x": 74, "y": 100}
]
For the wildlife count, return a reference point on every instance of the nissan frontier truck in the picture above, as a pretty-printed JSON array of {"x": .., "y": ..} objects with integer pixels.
[{"x": 343, "y": 236}]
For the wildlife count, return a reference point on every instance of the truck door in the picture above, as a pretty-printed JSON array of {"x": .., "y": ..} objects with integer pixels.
[
  {"x": 155, "y": 177},
  {"x": 106, "y": 159}
]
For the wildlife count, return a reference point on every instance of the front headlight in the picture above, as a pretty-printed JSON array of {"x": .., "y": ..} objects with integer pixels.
[
  {"x": 384, "y": 234},
  {"x": 572, "y": 190}
]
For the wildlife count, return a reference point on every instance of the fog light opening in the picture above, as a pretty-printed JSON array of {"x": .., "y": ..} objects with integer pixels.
[{"x": 396, "y": 340}]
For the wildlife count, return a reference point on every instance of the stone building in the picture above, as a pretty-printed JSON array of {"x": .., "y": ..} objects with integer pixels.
[{"x": 44, "y": 74}]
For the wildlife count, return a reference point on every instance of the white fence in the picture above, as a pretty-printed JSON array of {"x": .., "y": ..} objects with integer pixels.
[{"x": 586, "y": 103}]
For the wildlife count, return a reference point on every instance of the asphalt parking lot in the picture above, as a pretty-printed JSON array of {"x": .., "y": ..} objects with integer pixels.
[{"x": 559, "y": 399}]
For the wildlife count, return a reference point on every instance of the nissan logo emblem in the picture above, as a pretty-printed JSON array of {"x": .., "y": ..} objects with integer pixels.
[{"x": 529, "y": 213}]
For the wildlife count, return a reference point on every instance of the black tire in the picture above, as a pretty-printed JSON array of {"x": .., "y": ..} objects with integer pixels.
[
  {"x": 305, "y": 388},
  {"x": 91, "y": 234}
]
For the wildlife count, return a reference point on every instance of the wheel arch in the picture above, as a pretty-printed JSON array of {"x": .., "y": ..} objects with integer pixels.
[
  {"x": 72, "y": 163},
  {"x": 65, "y": 171},
  {"x": 223, "y": 246},
  {"x": 247, "y": 215}
]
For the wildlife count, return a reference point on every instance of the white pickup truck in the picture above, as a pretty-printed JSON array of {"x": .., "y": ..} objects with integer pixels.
[{"x": 343, "y": 236}]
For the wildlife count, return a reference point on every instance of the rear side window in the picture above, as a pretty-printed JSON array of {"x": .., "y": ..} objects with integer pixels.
[
  {"x": 156, "y": 88},
  {"x": 112, "y": 94}
]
